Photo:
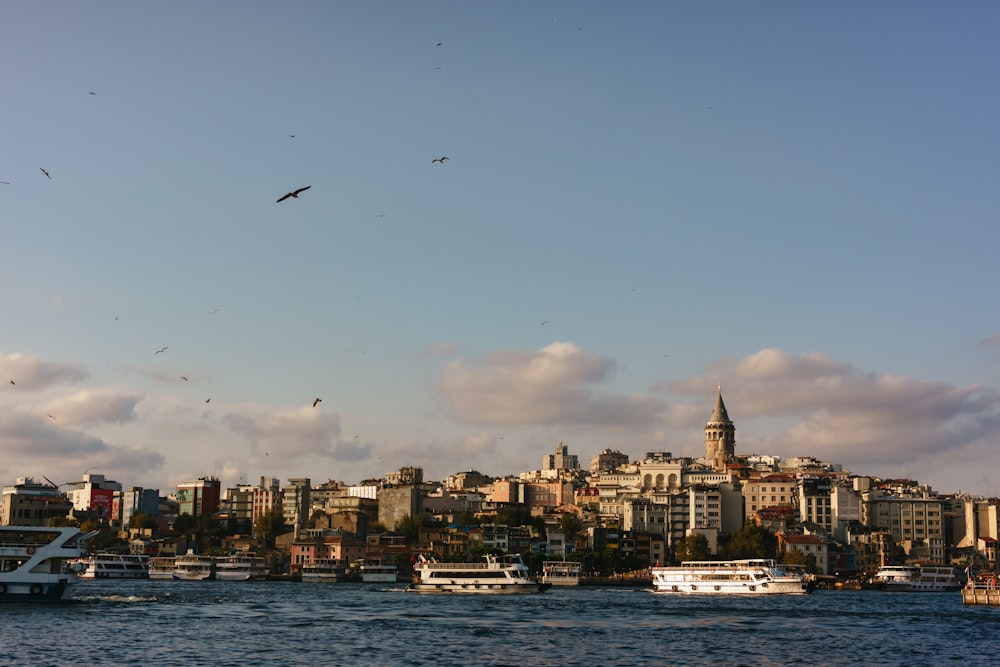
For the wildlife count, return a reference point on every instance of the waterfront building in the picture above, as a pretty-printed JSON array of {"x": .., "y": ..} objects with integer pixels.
[
  {"x": 813, "y": 545},
  {"x": 405, "y": 476},
  {"x": 561, "y": 459},
  {"x": 137, "y": 500},
  {"x": 908, "y": 519},
  {"x": 470, "y": 479},
  {"x": 266, "y": 497},
  {"x": 295, "y": 503},
  {"x": 395, "y": 503},
  {"x": 30, "y": 503},
  {"x": 607, "y": 460},
  {"x": 771, "y": 491},
  {"x": 201, "y": 496},
  {"x": 94, "y": 496}
]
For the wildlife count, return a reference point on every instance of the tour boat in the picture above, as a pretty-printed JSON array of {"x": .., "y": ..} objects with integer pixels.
[
  {"x": 734, "y": 577},
  {"x": 916, "y": 579},
  {"x": 377, "y": 572},
  {"x": 161, "y": 567},
  {"x": 561, "y": 573},
  {"x": 324, "y": 570},
  {"x": 194, "y": 567},
  {"x": 35, "y": 562},
  {"x": 494, "y": 575},
  {"x": 116, "y": 566},
  {"x": 241, "y": 567}
]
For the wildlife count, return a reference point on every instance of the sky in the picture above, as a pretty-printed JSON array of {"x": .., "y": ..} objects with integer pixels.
[{"x": 642, "y": 202}]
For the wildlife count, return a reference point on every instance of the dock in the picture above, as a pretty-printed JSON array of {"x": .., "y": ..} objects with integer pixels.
[{"x": 981, "y": 594}]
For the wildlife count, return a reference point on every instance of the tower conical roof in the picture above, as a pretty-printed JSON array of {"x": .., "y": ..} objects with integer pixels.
[{"x": 719, "y": 414}]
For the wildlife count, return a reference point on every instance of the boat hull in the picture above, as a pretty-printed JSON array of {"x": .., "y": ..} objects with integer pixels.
[
  {"x": 480, "y": 588},
  {"x": 60, "y": 590}
]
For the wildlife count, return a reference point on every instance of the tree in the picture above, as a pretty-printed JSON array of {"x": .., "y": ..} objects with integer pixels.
[
  {"x": 268, "y": 526},
  {"x": 750, "y": 541},
  {"x": 142, "y": 520},
  {"x": 570, "y": 524},
  {"x": 409, "y": 527},
  {"x": 799, "y": 557},
  {"x": 693, "y": 547}
]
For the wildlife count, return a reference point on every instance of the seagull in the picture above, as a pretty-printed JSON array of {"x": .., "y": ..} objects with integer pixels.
[
  {"x": 4, "y": 182},
  {"x": 161, "y": 350},
  {"x": 318, "y": 400},
  {"x": 439, "y": 44},
  {"x": 213, "y": 311},
  {"x": 544, "y": 322},
  {"x": 46, "y": 173},
  {"x": 184, "y": 378},
  {"x": 294, "y": 193},
  {"x": 51, "y": 417},
  {"x": 208, "y": 400},
  {"x": 12, "y": 382},
  {"x": 92, "y": 93},
  {"x": 440, "y": 159}
]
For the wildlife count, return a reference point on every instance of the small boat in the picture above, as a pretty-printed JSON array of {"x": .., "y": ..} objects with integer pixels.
[
  {"x": 916, "y": 579},
  {"x": 35, "y": 562},
  {"x": 561, "y": 573},
  {"x": 735, "y": 577},
  {"x": 194, "y": 567},
  {"x": 106, "y": 565},
  {"x": 161, "y": 567},
  {"x": 377, "y": 572},
  {"x": 241, "y": 567},
  {"x": 494, "y": 575},
  {"x": 324, "y": 570}
]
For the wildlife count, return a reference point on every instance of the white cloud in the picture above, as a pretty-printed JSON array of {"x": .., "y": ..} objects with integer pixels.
[
  {"x": 30, "y": 373},
  {"x": 553, "y": 385},
  {"x": 94, "y": 406}
]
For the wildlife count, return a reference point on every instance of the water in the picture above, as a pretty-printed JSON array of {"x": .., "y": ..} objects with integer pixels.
[{"x": 225, "y": 624}]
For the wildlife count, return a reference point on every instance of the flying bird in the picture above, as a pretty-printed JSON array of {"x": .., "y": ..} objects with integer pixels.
[
  {"x": 12, "y": 382},
  {"x": 51, "y": 417},
  {"x": 161, "y": 350},
  {"x": 46, "y": 174},
  {"x": 544, "y": 322},
  {"x": 213, "y": 311},
  {"x": 440, "y": 159},
  {"x": 92, "y": 93},
  {"x": 439, "y": 44},
  {"x": 4, "y": 182},
  {"x": 208, "y": 400},
  {"x": 294, "y": 193},
  {"x": 318, "y": 400},
  {"x": 184, "y": 378}
]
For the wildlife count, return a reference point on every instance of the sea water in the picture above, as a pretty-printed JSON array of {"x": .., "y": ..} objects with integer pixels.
[{"x": 243, "y": 624}]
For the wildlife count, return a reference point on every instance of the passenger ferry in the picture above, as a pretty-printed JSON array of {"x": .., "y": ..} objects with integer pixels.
[
  {"x": 916, "y": 579},
  {"x": 324, "y": 570},
  {"x": 194, "y": 567},
  {"x": 377, "y": 572},
  {"x": 561, "y": 573},
  {"x": 116, "y": 566},
  {"x": 241, "y": 567},
  {"x": 35, "y": 562},
  {"x": 161, "y": 567},
  {"x": 735, "y": 577},
  {"x": 495, "y": 575}
]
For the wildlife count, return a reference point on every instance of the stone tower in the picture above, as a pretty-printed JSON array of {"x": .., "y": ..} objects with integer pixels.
[{"x": 720, "y": 436}]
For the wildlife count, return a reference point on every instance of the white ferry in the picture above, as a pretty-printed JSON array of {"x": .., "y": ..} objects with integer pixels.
[
  {"x": 116, "y": 566},
  {"x": 194, "y": 567},
  {"x": 161, "y": 567},
  {"x": 34, "y": 562},
  {"x": 735, "y": 577},
  {"x": 916, "y": 579},
  {"x": 495, "y": 575},
  {"x": 324, "y": 570},
  {"x": 377, "y": 572},
  {"x": 241, "y": 567},
  {"x": 561, "y": 573}
]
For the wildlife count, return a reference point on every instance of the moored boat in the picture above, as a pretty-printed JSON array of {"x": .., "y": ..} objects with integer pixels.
[
  {"x": 324, "y": 570},
  {"x": 194, "y": 567},
  {"x": 35, "y": 562},
  {"x": 735, "y": 577},
  {"x": 377, "y": 572},
  {"x": 561, "y": 573},
  {"x": 107, "y": 565},
  {"x": 161, "y": 567},
  {"x": 241, "y": 567},
  {"x": 916, "y": 579},
  {"x": 494, "y": 575}
]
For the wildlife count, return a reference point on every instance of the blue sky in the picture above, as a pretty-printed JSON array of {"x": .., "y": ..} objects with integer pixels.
[{"x": 642, "y": 201}]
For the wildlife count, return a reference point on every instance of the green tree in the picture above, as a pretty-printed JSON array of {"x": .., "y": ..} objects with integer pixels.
[
  {"x": 693, "y": 547},
  {"x": 799, "y": 557},
  {"x": 409, "y": 527},
  {"x": 750, "y": 541},
  {"x": 268, "y": 526},
  {"x": 142, "y": 520},
  {"x": 570, "y": 524}
]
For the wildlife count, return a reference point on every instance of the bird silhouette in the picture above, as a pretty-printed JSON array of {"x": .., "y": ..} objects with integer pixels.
[
  {"x": 161, "y": 350},
  {"x": 294, "y": 193},
  {"x": 4, "y": 182},
  {"x": 208, "y": 400},
  {"x": 46, "y": 173},
  {"x": 184, "y": 378},
  {"x": 439, "y": 44},
  {"x": 12, "y": 382},
  {"x": 318, "y": 400},
  {"x": 440, "y": 159}
]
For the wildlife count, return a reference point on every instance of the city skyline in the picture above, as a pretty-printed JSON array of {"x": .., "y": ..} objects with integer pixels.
[{"x": 640, "y": 203}]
